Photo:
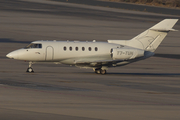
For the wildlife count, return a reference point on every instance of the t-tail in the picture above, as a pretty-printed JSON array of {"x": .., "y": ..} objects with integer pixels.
[{"x": 150, "y": 39}]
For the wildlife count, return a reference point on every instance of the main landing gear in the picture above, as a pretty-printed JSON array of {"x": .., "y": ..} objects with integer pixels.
[
  {"x": 100, "y": 71},
  {"x": 30, "y": 69}
]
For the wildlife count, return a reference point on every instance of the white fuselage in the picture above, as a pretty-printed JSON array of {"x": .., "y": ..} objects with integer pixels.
[
  {"x": 66, "y": 52},
  {"x": 75, "y": 52}
]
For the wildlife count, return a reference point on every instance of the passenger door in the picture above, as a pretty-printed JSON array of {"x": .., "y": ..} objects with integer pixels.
[{"x": 49, "y": 53}]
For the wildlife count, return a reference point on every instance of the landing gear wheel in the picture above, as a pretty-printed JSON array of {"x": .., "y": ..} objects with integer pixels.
[
  {"x": 30, "y": 70},
  {"x": 100, "y": 71},
  {"x": 97, "y": 71},
  {"x": 103, "y": 72}
]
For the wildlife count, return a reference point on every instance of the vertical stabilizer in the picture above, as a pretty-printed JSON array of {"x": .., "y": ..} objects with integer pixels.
[{"x": 150, "y": 39}]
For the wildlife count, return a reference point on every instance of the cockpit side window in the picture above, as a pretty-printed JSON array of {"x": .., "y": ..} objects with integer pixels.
[
  {"x": 33, "y": 45},
  {"x": 37, "y": 46}
]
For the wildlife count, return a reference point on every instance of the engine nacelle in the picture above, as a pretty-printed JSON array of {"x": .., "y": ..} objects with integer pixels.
[{"x": 126, "y": 53}]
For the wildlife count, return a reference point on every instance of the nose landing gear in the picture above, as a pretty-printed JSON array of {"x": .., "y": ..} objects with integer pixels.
[{"x": 30, "y": 69}]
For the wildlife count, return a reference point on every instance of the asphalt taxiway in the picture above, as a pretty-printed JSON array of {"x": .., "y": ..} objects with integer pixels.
[{"x": 145, "y": 90}]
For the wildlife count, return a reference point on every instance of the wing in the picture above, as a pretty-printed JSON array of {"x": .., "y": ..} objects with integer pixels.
[
  {"x": 96, "y": 63},
  {"x": 99, "y": 63}
]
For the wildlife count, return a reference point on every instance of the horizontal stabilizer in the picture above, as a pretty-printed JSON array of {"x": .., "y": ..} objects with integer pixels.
[
  {"x": 164, "y": 30},
  {"x": 165, "y": 25}
]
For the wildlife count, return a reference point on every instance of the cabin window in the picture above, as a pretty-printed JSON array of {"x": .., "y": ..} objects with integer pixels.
[
  {"x": 83, "y": 48},
  {"x": 70, "y": 48},
  {"x": 96, "y": 49},
  {"x": 76, "y": 48},
  {"x": 89, "y": 48},
  {"x": 33, "y": 45},
  {"x": 64, "y": 48}
]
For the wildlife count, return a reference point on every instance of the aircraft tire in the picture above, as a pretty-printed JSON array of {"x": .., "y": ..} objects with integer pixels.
[
  {"x": 98, "y": 71},
  {"x": 30, "y": 70},
  {"x": 103, "y": 72}
]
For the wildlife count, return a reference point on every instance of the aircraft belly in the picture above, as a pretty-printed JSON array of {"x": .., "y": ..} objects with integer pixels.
[{"x": 87, "y": 61}]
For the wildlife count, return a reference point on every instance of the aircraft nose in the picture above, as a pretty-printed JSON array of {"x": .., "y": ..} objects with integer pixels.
[
  {"x": 12, "y": 55},
  {"x": 9, "y": 55}
]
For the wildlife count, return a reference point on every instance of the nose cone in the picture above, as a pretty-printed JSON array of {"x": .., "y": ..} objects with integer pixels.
[
  {"x": 13, "y": 55},
  {"x": 9, "y": 55}
]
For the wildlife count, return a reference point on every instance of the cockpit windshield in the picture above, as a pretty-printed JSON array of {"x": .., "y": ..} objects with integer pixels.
[{"x": 33, "y": 45}]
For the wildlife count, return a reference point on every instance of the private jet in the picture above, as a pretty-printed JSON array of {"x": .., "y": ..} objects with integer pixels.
[{"x": 98, "y": 56}]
